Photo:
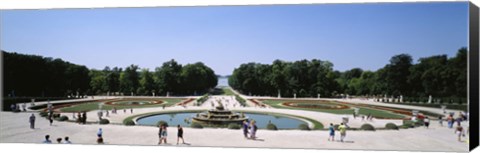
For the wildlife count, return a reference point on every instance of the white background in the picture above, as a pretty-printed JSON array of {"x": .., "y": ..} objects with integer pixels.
[{"x": 46, "y": 4}]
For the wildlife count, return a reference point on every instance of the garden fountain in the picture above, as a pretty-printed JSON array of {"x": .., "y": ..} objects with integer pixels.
[{"x": 219, "y": 117}]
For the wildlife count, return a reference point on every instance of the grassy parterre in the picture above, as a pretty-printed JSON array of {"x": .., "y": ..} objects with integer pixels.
[
  {"x": 94, "y": 105},
  {"x": 227, "y": 91},
  {"x": 362, "y": 110}
]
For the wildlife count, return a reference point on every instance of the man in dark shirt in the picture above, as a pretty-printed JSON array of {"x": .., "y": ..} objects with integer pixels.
[
  {"x": 245, "y": 129},
  {"x": 180, "y": 134}
]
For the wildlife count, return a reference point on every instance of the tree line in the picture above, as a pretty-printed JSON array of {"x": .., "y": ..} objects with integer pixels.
[
  {"x": 37, "y": 76},
  {"x": 436, "y": 75}
]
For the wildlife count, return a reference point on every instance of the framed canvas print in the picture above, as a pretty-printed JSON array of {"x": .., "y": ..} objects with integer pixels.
[{"x": 356, "y": 76}]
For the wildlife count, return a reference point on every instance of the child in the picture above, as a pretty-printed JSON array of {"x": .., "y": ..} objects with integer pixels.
[
  {"x": 245, "y": 129},
  {"x": 332, "y": 132},
  {"x": 459, "y": 132},
  {"x": 253, "y": 129}
]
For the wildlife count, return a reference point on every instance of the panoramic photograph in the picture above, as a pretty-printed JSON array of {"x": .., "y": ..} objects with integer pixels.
[{"x": 372, "y": 76}]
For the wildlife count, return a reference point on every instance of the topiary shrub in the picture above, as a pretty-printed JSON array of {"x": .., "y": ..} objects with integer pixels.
[
  {"x": 303, "y": 127},
  {"x": 391, "y": 126},
  {"x": 271, "y": 126},
  {"x": 62, "y": 118},
  {"x": 56, "y": 115},
  {"x": 161, "y": 122},
  {"x": 419, "y": 123},
  {"x": 43, "y": 114},
  {"x": 408, "y": 123},
  {"x": 234, "y": 126},
  {"x": 196, "y": 125},
  {"x": 104, "y": 121},
  {"x": 129, "y": 123},
  {"x": 367, "y": 127}
]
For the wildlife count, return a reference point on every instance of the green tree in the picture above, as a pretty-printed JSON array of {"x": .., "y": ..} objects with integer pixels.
[
  {"x": 129, "y": 80},
  {"x": 167, "y": 77},
  {"x": 147, "y": 84}
]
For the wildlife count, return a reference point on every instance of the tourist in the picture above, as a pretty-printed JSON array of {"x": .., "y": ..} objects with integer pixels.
[
  {"x": 100, "y": 132},
  {"x": 100, "y": 136},
  {"x": 180, "y": 134},
  {"x": 459, "y": 120},
  {"x": 459, "y": 132},
  {"x": 59, "y": 140},
  {"x": 50, "y": 118},
  {"x": 84, "y": 117},
  {"x": 450, "y": 121},
  {"x": 100, "y": 115},
  {"x": 32, "y": 121},
  {"x": 79, "y": 118},
  {"x": 131, "y": 110},
  {"x": 164, "y": 134},
  {"x": 124, "y": 110},
  {"x": 440, "y": 120},
  {"x": 343, "y": 131},
  {"x": 253, "y": 129},
  {"x": 331, "y": 129},
  {"x": 24, "y": 107},
  {"x": 426, "y": 122},
  {"x": 245, "y": 128},
  {"x": 47, "y": 139},
  {"x": 106, "y": 113},
  {"x": 160, "y": 130},
  {"x": 67, "y": 141}
]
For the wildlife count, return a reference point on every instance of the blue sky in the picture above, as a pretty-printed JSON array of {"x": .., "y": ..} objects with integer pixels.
[{"x": 223, "y": 37}]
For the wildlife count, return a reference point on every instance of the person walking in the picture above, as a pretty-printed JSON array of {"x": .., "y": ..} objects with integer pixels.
[
  {"x": 331, "y": 130},
  {"x": 79, "y": 118},
  {"x": 84, "y": 118},
  {"x": 459, "y": 132},
  {"x": 32, "y": 121},
  {"x": 50, "y": 119},
  {"x": 100, "y": 136},
  {"x": 426, "y": 122},
  {"x": 180, "y": 134},
  {"x": 440, "y": 120},
  {"x": 245, "y": 128},
  {"x": 164, "y": 134},
  {"x": 160, "y": 132},
  {"x": 450, "y": 121},
  {"x": 253, "y": 130},
  {"x": 343, "y": 131}
]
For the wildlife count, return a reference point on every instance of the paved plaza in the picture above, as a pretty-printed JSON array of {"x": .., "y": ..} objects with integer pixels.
[{"x": 15, "y": 129}]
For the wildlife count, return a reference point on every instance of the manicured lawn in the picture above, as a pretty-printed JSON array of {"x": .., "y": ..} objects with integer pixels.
[
  {"x": 227, "y": 91},
  {"x": 94, "y": 105},
  {"x": 362, "y": 110}
]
